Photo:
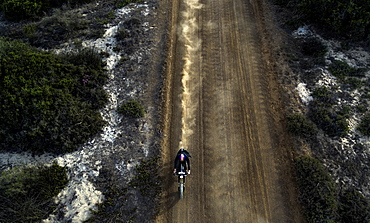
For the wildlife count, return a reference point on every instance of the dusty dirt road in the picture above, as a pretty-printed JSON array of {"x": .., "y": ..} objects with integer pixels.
[{"x": 229, "y": 119}]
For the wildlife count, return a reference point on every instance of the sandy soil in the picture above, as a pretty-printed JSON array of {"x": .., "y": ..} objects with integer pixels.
[{"x": 229, "y": 118}]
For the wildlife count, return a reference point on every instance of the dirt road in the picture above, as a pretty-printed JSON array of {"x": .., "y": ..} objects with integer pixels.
[{"x": 222, "y": 104}]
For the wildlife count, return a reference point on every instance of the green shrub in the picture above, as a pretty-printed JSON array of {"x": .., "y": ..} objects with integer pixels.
[
  {"x": 114, "y": 208},
  {"x": 29, "y": 30},
  {"x": 354, "y": 207},
  {"x": 354, "y": 82},
  {"x": 328, "y": 120},
  {"x": 48, "y": 103},
  {"x": 314, "y": 48},
  {"x": 347, "y": 18},
  {"x": 317, "y": 190},
  {"x": 146, "y": 179},
  {"x": 21, "y": 9},
  {"x": 299, "y": 125},
  {"x": 323, "y": 96},
  {"x": 33, "y": 9},
  {"x": 341, "y": 70},
  {"x": 332, "y": 122},
  {"x": 121, "y": 33},
  {"x": 132, "y": 109},
  {"x": 26, "y": 195},
  {"x": 123, "y": 3},
  {"x": 364, "y": 126}
]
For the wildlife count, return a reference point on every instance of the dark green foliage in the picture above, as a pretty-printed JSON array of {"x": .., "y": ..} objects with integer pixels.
[
  {"x": 313, "y": 47},
  {"x": 348, "y": 18},
  {"x": 323, "y": 96},
  {"x": 121, "y": 33},
  {"x": 110, "y": 210},
  {"x": 132, "y": 109},
  {"x": 146, "y": 179},
  {"x": 122, "y": 3},
  {"x": 26, "y": 195},
  {"x": 114, "y": 208},
  {"x": 354, "y": 207},
  {"x": 21, "y": 9},
  {"x": 341, "y": 70},
  {"x": 347, "y": 75},
  {"x": 345, "y": 112},
  {"x": 48, "y": 103},
  {"x": 329, "y": 120},
  {"x": 63, "y": 26},
  {"x": 364, "y": 126},
  {"x": 319, "y": 198},
  {"x": 321, "y": 112},
  {"x": 299, "y": 125},
  {"x": 33, "y": 9},
  {"x": 317, "y": 190}
]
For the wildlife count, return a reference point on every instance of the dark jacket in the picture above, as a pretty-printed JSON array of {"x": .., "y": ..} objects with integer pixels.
[{"x": 178, "y": 161}]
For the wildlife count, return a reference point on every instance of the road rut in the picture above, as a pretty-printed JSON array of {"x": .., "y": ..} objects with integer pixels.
[{"x": 241, "y": 171}]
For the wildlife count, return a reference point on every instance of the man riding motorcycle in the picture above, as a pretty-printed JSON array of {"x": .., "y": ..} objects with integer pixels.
[{"x": 182, "y": 157}]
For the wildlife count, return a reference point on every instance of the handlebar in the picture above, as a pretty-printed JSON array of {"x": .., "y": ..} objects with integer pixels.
[{"x": 180, "y": 173}]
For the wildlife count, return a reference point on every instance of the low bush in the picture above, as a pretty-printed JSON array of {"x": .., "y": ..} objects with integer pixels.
[
  {"x": 354, "y": 207},
  {"x": 33, "y": 9},
  {"x": 332, "y": 122},
  {"x": 49, "y": 103},
  {"x": 114, "y": 208},
  {"x": 323, "y": 96},
  {"x": 317, "y": 190},
  {"x": 328, "y": 120},
  {"x": 350, "y": 19},
  {"x": 300, "y": 126},
  {"x": 26, "y": 195},
  {"x": 364, "y": 126},
  {"x": 314, "y": 48},
  {"x": 121, "y": 33},
  {"x": 341, "y": 70},
  {"x": 146, "y": 178},
  {"x": 123, "y": 3},
  {"x": 132, "y": 109}
]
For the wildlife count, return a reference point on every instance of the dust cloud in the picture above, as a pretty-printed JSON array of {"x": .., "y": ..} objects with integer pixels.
[{"x": 190, "y": 79}]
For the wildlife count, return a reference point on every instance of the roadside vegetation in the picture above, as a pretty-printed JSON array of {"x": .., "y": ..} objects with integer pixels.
[
  {"x": 332, "y": 121},
  {"x": 299, "y": 125},
  {"x": 17, "y": 10},
  {"x": 330, "y": 110},
  {"x": 317, "y": 190},
  {"x": 122, "y": 3},
  {"x": 350, "y": 19},
  {"x": 132, "y": 109},
  {"x": 27, "y": 194},
  {"x": 322, "y": 201},
  {"x": 33, "y": 9},
  {"x": 49, "y": 103},
  {"x": 146, "y": 181}
]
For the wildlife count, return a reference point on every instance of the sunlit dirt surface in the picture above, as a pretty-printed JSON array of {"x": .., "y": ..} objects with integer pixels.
[{"x": 223, "y": 105}]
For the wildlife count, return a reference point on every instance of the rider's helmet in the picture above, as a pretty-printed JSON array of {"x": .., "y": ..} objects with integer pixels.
[{"x": 182, "y": 157}]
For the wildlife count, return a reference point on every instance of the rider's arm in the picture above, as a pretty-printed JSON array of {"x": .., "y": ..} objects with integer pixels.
[
  {"x": 188, "y": 162},
  {"x": 175, "y": 163}
]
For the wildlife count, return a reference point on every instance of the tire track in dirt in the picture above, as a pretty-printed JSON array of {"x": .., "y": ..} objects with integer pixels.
[{"x": 236, "y": 172}]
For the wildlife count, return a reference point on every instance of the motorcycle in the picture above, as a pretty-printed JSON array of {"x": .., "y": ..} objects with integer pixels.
[{"x": 181, "y": 181}]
